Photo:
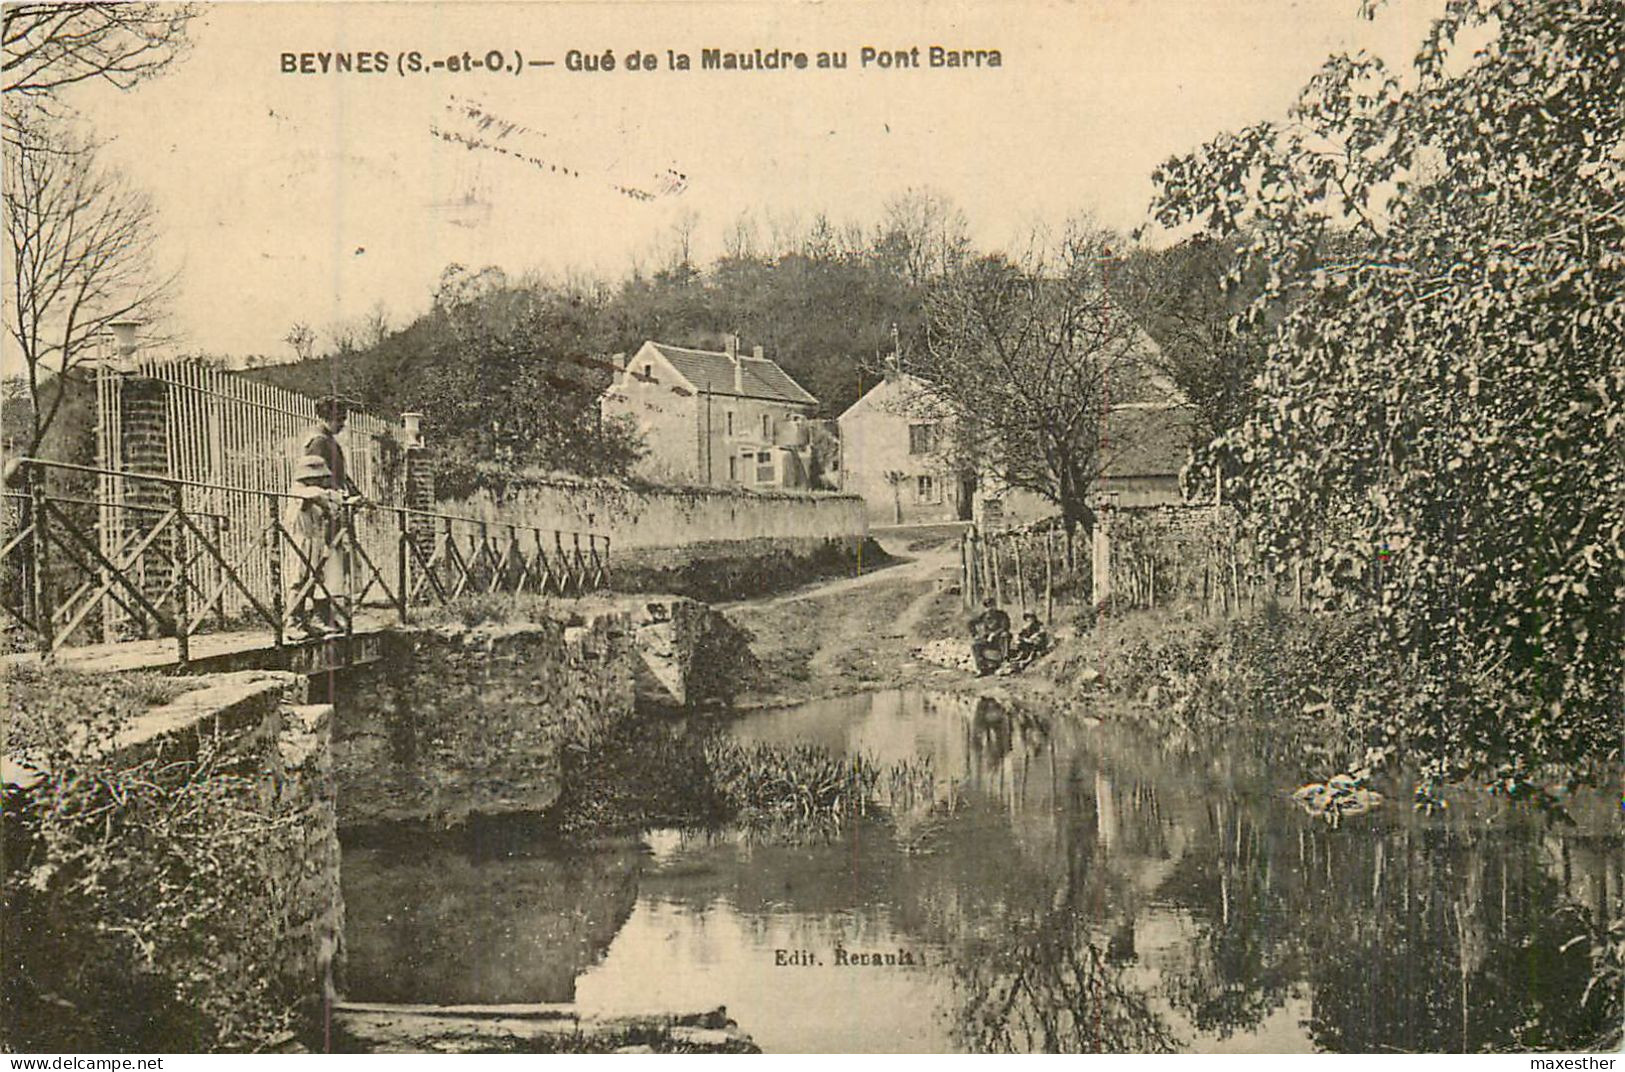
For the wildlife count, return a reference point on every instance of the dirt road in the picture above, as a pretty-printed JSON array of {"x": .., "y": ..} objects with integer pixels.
[{"x": 857, "y": 633}]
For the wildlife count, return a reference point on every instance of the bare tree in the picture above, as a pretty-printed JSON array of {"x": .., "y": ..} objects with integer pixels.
[
  {"x": 50, "y": 46},
  {"x": 1027, "y": 352},
  {"x": 79, "y": 244},
  {"x": 923, "y": 234},
  {"x": 303, "y": 340},
  {"x": 741, "y": 239}
]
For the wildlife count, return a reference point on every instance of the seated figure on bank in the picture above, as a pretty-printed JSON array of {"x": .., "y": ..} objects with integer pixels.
[
  {"x": 1030, "y": 643},
  {"x": 989, "y": 637}
]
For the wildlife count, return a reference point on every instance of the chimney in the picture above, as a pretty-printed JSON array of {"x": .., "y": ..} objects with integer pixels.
[
  {"x": 757, "y": 353},
  {"x": 739, "y": 368}
]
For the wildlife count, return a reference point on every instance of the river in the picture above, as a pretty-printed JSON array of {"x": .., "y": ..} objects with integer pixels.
[{"x": 1076, "y": 887}]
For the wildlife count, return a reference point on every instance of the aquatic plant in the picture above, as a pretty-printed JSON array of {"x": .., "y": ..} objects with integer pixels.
[{"x": 806, "y": 782}]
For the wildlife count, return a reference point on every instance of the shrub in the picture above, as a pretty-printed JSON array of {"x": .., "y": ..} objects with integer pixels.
[{"x": 141, "y": 909}]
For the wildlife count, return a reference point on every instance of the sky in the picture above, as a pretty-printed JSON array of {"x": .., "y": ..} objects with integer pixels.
[{"x": 291, "y": 197}]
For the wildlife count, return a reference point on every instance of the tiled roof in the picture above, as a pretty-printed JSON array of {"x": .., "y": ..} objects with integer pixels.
[
  {"x": 711, "y": 371},
  {"x": 1147, "y": 442}
]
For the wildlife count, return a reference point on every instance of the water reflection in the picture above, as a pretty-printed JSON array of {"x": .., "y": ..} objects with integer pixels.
[{"x": 1064, "y": 889}]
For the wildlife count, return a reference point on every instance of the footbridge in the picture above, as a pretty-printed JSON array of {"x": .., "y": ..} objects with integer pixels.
[{"x": 171, "y": 573}]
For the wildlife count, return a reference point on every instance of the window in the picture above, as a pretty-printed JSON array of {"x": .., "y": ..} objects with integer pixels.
[
  {"x": 648, "y": 372},
  {"x": 767, "y": 426},
  {"x": 764, "y": 467},
  {"x": 925, "y": 489},
  {"x": 730, "y": 423},
  {"x": 922, "y": 438},
  {"x": 733, "y": 467}
]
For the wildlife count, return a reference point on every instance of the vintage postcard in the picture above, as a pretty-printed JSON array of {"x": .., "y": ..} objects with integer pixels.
[{"x": 790, "y": 527}]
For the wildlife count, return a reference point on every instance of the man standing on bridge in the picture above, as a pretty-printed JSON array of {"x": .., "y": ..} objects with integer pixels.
[{"x": 323, "y": 443}]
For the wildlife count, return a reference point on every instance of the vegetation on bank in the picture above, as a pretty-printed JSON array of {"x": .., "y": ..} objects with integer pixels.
[
  {"x": 648, "y": 775},
  {"x": 1326, "y": 691},
  {"x": 1433, "y": 437},
  {"x": 144, "y": 876}
]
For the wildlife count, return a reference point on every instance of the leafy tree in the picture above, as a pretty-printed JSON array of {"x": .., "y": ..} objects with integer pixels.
[
  {"x": 1028, "y": 350},
  {"x": 506, "y": 374},
  {"x": 1436, "y": 433}
]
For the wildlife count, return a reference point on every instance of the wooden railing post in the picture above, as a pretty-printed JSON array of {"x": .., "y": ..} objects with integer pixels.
[
  {"x": 217, "y": 580},
  {"x": 541, "y": 561},
  {"x": 273, "y": 555},
  {"x": 513, "y": 549},
  {"x": 347, "y": 564},
  {"x": 447, "y": 544},
  {"x": 183, "y": 600},
  {"x": 400, "y": 562},
  {"x": 40, "y": 586}
]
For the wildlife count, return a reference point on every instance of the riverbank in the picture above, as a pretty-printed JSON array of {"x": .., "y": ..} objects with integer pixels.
[
  {"x": 1327, "y": 692},
  {"x": 862, "y": 633}
]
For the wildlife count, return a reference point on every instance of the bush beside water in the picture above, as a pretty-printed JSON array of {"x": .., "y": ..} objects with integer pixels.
[{"x": 1333, "y": 687}]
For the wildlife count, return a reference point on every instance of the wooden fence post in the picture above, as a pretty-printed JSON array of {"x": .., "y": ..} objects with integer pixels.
[
  {"x": 1021, "y": 585},
  {"x": 964, "y": 585},
  {"x": 183, "y": 578},
  {"x": 273, "y": 555},
  {"x": 1049, "y": 576},
  {"x": 978, "y": 574},
  {"x": 998, "y": 575}
]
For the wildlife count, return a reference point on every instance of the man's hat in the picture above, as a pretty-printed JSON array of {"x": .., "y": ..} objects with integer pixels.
[
  {"x": 990, "y": 602},
  {"x": 337, "y": 404},
  {"x": 1033, "y": 614},
  {"x": 312, "y": 467}
]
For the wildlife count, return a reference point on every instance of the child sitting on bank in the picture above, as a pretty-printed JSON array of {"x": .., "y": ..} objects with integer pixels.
[{"x": 1030, "y": 643}]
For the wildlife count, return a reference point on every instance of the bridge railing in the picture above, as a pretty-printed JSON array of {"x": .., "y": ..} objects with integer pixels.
[{"x": 175, "y": 570}]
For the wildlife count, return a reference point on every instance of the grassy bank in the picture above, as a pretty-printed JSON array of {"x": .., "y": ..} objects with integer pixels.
[{"x": 1327, "y": 692}]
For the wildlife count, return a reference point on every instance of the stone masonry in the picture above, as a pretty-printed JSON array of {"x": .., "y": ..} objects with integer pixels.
[{"x": 458, "y": 720}]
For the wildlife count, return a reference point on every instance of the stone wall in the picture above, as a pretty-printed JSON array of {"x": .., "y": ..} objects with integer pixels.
[
  {"x": 690, "y": 655},
  {"x": 272, "y": 732},
  {"x": 691, "y": 541},
  {"x": 458, "y": 720},
  {"x": 639, "y": 519},
  {"x": 252, "y": 763}
]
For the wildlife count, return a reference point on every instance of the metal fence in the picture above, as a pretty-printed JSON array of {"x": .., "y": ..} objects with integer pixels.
[
  {"x": 227, "y": 441},
  {"x": 172, "y": 572}
]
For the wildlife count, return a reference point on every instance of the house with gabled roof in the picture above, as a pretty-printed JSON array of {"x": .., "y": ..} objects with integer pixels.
[
  {"x": 895, "y": 453},
  {"x": 714, "y": 417}
]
